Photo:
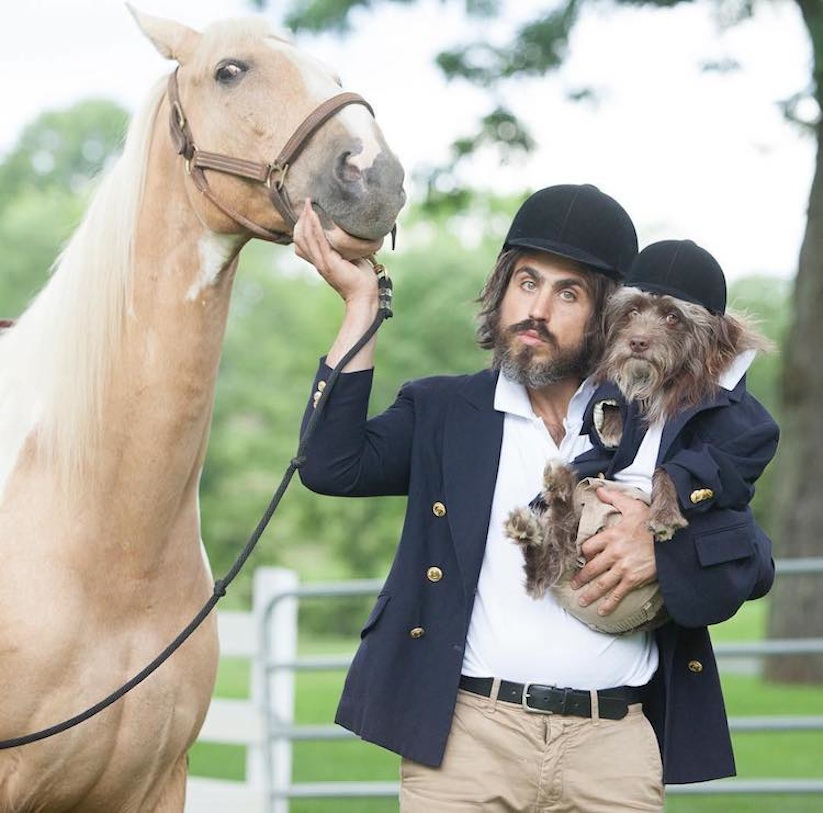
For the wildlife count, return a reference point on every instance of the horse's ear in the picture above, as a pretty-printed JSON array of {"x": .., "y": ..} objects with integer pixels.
[{"x": 174, "y": 40}]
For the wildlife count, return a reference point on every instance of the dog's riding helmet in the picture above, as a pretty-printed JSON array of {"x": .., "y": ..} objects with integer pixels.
[{"x": 682, "y": 269}]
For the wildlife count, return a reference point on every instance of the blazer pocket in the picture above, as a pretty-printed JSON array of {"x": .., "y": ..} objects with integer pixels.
[
  {"x": 731, "y": 538},
  {"x": 374, "y": 615}
]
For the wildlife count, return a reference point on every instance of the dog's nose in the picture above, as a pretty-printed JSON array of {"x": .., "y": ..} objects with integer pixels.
[{"x": 638, "y": 344}]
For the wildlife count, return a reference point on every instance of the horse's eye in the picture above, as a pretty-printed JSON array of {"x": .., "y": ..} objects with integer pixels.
[{"x": 230, "y": 71}]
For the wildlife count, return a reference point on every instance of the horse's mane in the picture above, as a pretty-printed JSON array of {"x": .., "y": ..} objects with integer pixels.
[{"x": 55, "y": 361}]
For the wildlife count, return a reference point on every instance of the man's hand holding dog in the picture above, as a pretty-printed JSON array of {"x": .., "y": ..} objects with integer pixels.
[{"x": 619, "y": 559}]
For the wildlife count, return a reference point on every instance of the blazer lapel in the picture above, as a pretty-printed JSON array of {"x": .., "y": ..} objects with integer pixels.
[
  {"x": 634, "y": 430},
  {"x": 473, "y": 434},
  {"x": 673, "y": 426}
]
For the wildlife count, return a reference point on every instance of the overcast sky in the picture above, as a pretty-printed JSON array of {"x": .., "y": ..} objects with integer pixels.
[{"x": 689, "y": 153}]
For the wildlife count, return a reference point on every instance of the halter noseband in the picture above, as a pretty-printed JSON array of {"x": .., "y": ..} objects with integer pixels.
[{"x": 273, "y": 175}]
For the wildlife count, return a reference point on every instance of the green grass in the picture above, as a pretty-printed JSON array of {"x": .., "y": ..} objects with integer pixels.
[{"x": 758, "y": 755}]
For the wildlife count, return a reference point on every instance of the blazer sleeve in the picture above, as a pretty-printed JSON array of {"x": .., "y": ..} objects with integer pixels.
[
  {"x": 706, "y": 572},
  {"x": 719, "y": 455},
  {"x": 347, "y": 454},
  {"x": 723, "y": 558}
]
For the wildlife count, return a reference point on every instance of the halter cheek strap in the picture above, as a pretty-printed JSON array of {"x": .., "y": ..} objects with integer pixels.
[{"x": 273, "y": 175}]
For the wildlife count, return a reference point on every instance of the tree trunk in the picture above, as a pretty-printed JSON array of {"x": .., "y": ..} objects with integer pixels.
[{"x": 797, "y": 601}]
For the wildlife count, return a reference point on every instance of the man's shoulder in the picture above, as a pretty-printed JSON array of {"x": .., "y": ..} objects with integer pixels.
[
  {"x": 439, "y": 391},
  {"x": 454, "y": 382}
]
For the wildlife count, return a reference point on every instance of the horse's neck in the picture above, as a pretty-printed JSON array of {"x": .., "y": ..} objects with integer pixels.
[{"x": 159, "y": 400}]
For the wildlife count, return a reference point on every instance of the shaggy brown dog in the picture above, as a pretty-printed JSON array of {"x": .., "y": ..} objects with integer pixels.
[{"x": 665, "y": 354}]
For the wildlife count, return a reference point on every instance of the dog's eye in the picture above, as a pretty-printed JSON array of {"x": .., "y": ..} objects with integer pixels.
[
  {"x": 634, "y": 313},
  {"x": 672, "y": 319}
]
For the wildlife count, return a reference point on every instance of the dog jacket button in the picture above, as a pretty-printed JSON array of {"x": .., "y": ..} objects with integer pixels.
[
  {"x": 434, "y": 574},
  {"x": 701, "y": 494},
  {"x": 439, "y": 510}
]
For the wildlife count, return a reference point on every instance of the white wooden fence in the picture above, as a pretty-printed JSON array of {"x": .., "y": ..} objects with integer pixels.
[
  {"x": 245, "y": 722},
  {"x": 233, "y": 722},
  {"x": 268, "y": 635}
]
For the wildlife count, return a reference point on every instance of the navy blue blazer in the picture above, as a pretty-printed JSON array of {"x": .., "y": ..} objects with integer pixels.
[
  {"x": 439, "y": 444},
  {"x": 713, "y": 452}
]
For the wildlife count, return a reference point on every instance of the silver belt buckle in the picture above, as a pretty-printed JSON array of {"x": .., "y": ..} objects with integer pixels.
[{"x": 524, "y": 699}]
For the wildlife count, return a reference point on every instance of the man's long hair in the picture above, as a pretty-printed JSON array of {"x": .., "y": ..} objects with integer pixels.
[{"x": 599, "y": 286}]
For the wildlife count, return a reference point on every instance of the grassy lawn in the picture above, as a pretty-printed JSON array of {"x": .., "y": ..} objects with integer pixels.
[{"x": 759, "y": 755}]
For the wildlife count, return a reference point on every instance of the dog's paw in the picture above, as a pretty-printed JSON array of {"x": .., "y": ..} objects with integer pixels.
[
  {"x": 523, "y": 528},
  {"x": 559, "y": 480},
  {"x": 665, "y": 518},
  {"x": 665, "y": 526}
]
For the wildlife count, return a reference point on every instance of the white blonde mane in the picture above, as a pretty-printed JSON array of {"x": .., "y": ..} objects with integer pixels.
[{"x": 55, "y": 361}]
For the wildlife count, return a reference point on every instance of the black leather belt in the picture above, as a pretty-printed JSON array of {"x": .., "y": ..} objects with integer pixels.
[{"x": 613, "y": 704}]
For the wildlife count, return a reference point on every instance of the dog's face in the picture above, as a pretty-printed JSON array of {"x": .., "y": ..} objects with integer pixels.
[{"x": 661, "y": 351}]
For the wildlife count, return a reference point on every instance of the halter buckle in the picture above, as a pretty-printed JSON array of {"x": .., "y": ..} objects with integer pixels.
[{"x": 281, "y": 171}]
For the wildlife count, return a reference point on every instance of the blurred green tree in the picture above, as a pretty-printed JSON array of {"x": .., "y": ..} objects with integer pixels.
[
  {"x": 63, "y": 149},
  {"x": 45, "y": 181}
]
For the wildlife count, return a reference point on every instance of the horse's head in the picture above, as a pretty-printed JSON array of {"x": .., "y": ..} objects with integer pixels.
[{"x": 243, "y": 95}]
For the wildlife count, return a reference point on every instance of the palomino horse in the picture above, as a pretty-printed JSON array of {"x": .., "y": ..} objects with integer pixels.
[{"x": 106, "y": 391}]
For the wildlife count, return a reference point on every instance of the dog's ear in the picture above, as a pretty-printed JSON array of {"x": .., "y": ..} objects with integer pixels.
[
  {"x": 733, "y": 334},
  {"x": 743, "y": 333},
  {"x": 722, "y": 338}
]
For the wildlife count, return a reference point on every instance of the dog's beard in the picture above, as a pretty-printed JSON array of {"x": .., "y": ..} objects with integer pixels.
[
  {"x": 519, "y": 363},
  {"x": 638, "y": 379}
]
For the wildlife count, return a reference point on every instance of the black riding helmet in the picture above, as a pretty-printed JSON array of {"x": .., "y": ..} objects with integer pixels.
[{"x": 578, "y": 222}]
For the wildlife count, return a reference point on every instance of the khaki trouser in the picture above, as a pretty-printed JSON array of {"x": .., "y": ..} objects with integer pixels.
[{"x": 502, "y": 759}]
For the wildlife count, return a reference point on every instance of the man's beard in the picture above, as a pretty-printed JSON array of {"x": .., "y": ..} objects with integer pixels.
[{"x": 518, "y": 363}]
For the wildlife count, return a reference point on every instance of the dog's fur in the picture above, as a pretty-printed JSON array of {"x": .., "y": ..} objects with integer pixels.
[{"x": 667, "y": 355}]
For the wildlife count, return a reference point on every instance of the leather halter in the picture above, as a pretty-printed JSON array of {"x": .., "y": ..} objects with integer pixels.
[{"x": 273, "y": 175}]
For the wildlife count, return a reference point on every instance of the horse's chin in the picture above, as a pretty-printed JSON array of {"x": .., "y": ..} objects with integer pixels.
[{"x": 348, "y": 245}]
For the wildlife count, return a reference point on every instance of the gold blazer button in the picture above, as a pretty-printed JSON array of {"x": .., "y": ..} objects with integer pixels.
[
  {"x": 439, "y": 510},
  {"x": 417, "y": 632},
  {"x": 700, "y": 495},
  {"x": 321, "y": 385},
  {"x": 696, "y": 667},
  {"x": 434, "y": 574}
]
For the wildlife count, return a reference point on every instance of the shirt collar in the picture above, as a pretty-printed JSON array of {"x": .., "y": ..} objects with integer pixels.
[
  {"x": 730, "y": 377},
  {"x": 512, "y": 398}
]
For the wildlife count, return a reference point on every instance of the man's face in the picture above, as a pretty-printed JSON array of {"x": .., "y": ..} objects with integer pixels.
[{"x": 543, "y": 319}]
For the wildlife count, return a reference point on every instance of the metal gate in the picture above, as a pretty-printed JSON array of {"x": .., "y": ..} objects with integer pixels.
[{"x": 277, "y": 604}]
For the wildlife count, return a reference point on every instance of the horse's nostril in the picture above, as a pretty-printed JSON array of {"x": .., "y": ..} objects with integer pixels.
[{"x": 347, "y": 170}]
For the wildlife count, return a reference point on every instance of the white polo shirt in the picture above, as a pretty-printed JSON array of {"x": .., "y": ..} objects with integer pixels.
[{"x": 511, "y": 635}]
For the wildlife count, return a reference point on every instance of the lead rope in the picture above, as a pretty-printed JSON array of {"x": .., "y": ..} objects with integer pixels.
[{"x": 221, "y": 585}]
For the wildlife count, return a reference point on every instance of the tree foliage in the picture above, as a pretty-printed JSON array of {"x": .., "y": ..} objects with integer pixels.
[
  {"x": 44, "y": 183},
  {"x": 536, "y": 47},
  {"x": 63, "y": 151}
]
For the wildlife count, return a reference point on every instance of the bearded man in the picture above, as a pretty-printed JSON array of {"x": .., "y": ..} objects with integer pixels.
[{"x": 494, "y": 700}]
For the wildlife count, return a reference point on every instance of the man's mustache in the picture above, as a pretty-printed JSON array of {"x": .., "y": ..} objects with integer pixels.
[{"x": 532, "y": 324}]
